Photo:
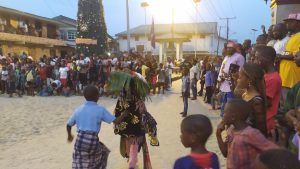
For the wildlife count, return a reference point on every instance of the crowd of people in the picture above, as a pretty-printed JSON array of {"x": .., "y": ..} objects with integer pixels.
[
  {"x": 68, "y": 75},
  {"x": 257, "y": 88}
]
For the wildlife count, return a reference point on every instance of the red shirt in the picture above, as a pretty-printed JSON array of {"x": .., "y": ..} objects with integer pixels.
[
  {"x": 43, "y": 73},
  {"x": 243, "y": 147},
  {"x": 273, "y": 92}
]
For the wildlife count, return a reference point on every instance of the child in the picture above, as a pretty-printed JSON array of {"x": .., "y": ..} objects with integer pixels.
[
  {"x": 63, "y": 73},
  {"x": 75, "y": 79},
  {"x": 251, "y": 80},
  {"x": 185, "y": 89},
  {"x": 209, "y": 83},
  {"x": 89, "y": 152},
  {"x": 4, "y": 75},
  {"x": 277, "y": 159},
  {"x": 30, "y": 81},
  {"x": 56, "y": 87},
  {"x": 265, "y": 56},
  {"x": 195, "y": 131},
  {"x": 11, "y": 81},
  {"x": 161, "y": 78},
  {"x": 243, "y": 143}
]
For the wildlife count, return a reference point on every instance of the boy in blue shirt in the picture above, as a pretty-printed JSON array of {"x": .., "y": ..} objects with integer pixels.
[{"x": 89, "y": 151}]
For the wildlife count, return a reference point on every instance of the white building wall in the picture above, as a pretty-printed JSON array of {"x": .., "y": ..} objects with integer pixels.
[
  {"x": 199, "y": 44},
  {"x": 141, "y": 41},
  {"x": 204, "y": 44}
]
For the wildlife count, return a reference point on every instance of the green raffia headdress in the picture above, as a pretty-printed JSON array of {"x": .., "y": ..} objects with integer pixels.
[{"x": 121, "y": 81}]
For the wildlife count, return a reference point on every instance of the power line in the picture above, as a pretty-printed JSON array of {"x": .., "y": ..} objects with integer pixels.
[
  {"x": 214, "y": 9},
  {"x": 227, "y": 19},
  {"x": 47, "y": 4}
]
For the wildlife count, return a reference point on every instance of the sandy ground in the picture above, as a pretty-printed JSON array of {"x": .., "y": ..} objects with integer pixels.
[{"x": 33, "y": 135}]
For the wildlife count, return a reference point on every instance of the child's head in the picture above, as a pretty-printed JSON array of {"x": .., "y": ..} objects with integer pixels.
[
  {"x": 252, "y": 75},
  {"x": 236, "y": 110},
  {"x": 195, "y": 130},
  {"x": 277, "y": 159},
  {"x": 91, "y": 93},
  {"x": 265, "y": 56}
]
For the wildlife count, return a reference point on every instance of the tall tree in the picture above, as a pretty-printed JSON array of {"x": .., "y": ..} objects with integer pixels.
[{"x": 91, "y": 25}]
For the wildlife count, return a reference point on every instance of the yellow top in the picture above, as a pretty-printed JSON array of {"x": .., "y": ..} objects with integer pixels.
[
  {"x": 144, "y": 70},
  {"x": 289, "y": 72}
]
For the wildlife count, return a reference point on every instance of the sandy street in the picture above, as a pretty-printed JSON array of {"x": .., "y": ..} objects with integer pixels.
[{"x": 33, "y": 135}]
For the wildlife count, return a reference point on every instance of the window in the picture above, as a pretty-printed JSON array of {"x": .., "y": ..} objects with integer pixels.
[{"x": 71, "y": 35}]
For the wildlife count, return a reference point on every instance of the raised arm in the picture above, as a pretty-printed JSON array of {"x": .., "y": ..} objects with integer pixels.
[{"x": 119, "y": 119}]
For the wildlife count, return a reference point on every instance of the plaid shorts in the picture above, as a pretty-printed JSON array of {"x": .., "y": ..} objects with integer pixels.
[{"x": 89, "y": 152}]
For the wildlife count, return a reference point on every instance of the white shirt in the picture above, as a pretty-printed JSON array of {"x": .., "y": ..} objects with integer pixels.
[
  {"x": 280, "y": 45},
  {"x": 114, "y": 61},
  {"x": 237, "y": 59},
  {"x": 169, "y": 68},
  {"x": 57, "y": 82},
  {"x": 63, "y": 71},
  {"x": 194, "y": 70},
  {"x": 4, "y": 75}
]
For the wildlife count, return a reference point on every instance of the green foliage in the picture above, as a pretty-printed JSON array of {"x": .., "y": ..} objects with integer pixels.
[
  {"x": 91, "y": 25},
  {"x": 121, "y": 80}
]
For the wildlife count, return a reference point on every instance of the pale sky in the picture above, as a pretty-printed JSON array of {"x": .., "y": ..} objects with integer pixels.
[{"x": 250, "y": 14}]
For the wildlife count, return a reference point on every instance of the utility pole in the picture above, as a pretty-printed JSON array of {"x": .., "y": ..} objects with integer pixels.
[
  {"x": 218, "y": 45},
  {"x": 227, "y": 19},
  {"x": 128, "y": 26},
  {"x": 145, "y": 5},
  {"x": 254, "y": 31},
  {"x": 196, "y": 27}
]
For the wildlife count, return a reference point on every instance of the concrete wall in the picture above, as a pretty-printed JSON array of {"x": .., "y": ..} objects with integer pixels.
[
  {"x": 206, "y": 44},
  {"x": 133, "y": 44},
  {"x": 35, "y": 52},
  {"x": 281, "y": 12}
]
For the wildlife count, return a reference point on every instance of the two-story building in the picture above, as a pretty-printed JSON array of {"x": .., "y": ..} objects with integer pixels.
[
  {"x": 35, "y": 35},
  {"x": 178, "y": 40},
  {"x": 68, "y": 31}
]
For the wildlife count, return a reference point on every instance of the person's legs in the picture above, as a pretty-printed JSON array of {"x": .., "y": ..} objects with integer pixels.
[
  {"x": 3, "y": 86},
  {"x": 209, "y": 94},
  {"x": 185, "y": 105},
  {"x": 170, "y": 80},
  {"x": 133, "y": 155},
  {"x": 194, "y": 89},
  {"x": 225, "y": 98},
  {"x": 202, "y": 82}
]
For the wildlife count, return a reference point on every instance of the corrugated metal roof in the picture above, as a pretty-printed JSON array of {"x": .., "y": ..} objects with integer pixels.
[{"x": 179, "y": 28}]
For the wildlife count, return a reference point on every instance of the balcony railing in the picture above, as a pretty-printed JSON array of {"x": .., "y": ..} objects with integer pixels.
[{"x": 23, "y": 39}]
